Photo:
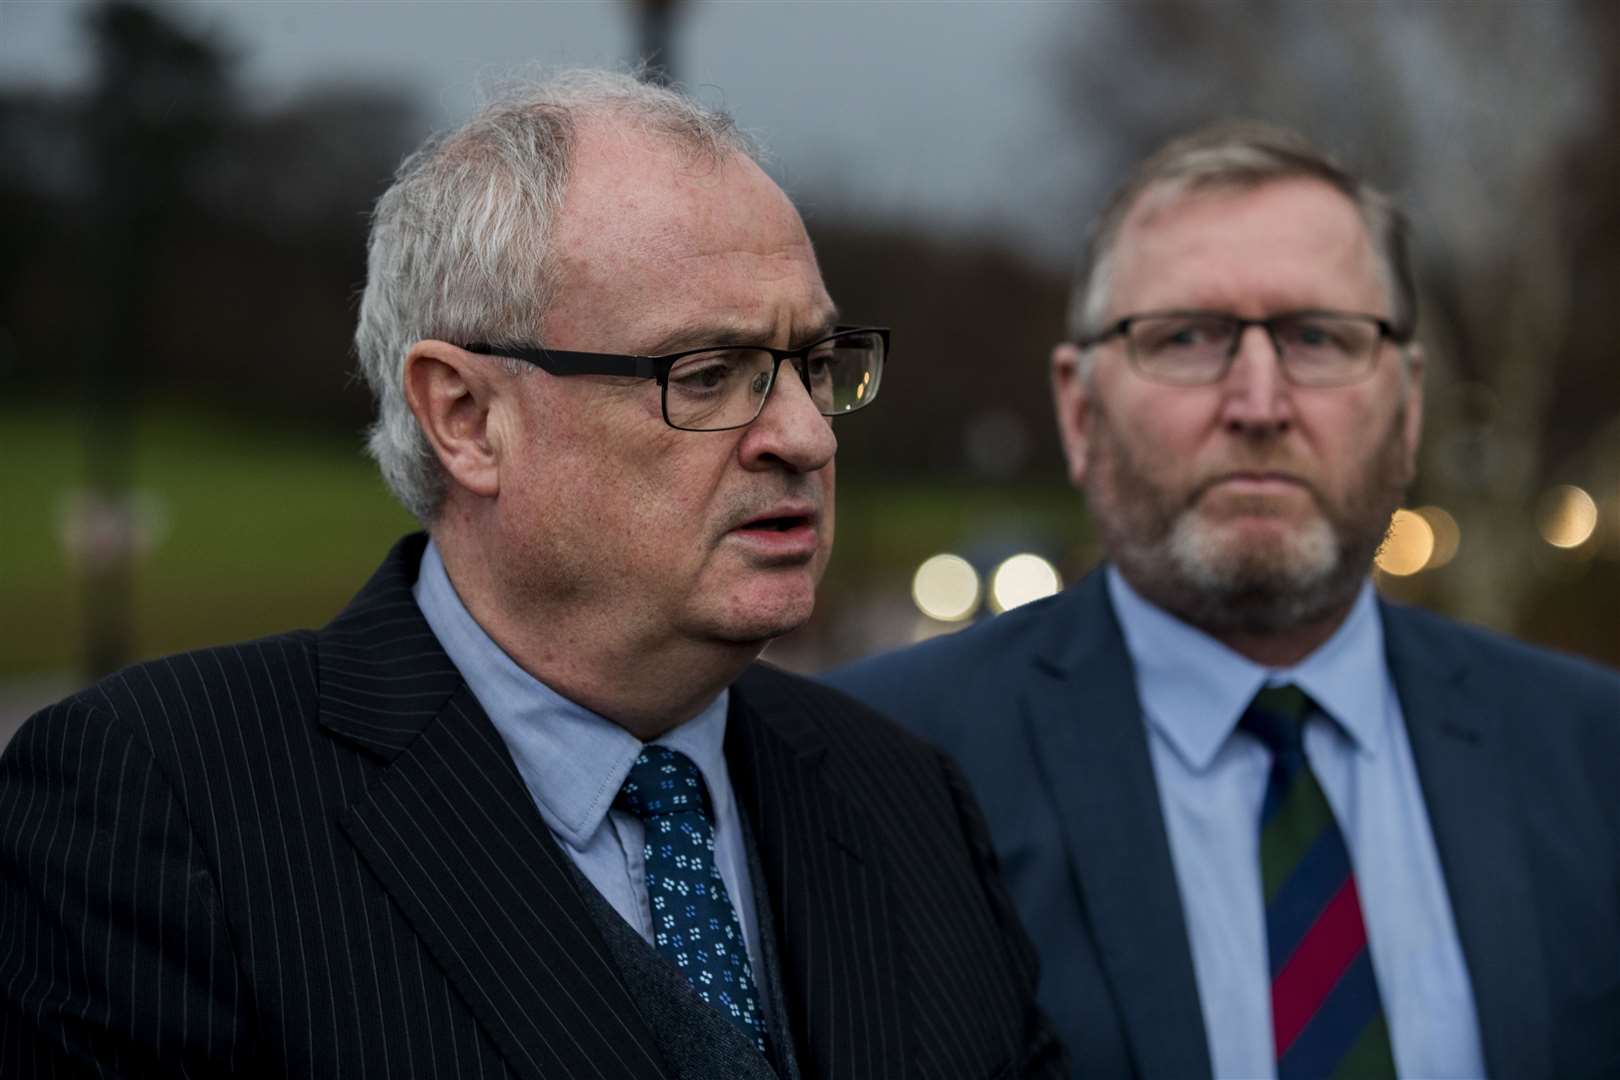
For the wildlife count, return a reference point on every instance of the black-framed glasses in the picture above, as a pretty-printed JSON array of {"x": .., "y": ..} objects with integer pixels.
[
  {"x": 1195, "y": 348},
  {"x": 722, "y": 387}
]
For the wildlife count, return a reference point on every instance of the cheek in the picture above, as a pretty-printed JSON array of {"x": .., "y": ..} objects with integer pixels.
[
  {"x": 1165, "y": 435},
  {"x": 1168, "y": 416},
  {"x": 829, "y": 509},
  {"x": 1345, "y": 435}
]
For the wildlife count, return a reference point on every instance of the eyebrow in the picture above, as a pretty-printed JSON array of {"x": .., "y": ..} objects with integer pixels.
[{"x": 737, "y": 333}]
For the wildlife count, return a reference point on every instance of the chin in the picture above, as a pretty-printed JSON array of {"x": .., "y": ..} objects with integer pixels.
[
  {"x": 1267, "y": 554},
  {"x": 759, "y": 614}
]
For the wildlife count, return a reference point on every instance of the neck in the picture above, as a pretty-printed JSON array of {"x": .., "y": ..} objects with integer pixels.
[
  {"x": 645, "y": 679},
  {"x": 647, "y": 694},
  {"x": 1271, "y": 634},
  {"x": 1280, "y": 648}
]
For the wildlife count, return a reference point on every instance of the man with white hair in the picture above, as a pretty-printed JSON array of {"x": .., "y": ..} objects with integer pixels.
[
  {"x": 527, "y": 806},
  {"x": 1258, "y": 822}
]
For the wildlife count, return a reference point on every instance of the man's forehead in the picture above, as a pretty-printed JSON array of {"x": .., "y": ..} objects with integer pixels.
[
  {"x": 624, "y": 177},
  {"x": 1305, "y": 226},
  {"x": 1293, "y": 198},
  {"x": 662, "y": 248}
]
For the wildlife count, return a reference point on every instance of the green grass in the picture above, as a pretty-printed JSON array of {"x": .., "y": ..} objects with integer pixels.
[
  {"x": 257, "y": 529},
  {"x": 262, "y": 529}
]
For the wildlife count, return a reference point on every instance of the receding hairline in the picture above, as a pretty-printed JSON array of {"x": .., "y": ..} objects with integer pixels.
[{"x": 1237, "y": 156}]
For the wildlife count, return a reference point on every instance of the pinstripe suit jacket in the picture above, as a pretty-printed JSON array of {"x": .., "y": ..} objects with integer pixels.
[{"x": 311, "y": 855}]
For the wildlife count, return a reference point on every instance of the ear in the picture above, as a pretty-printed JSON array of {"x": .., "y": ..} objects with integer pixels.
[
  {"x": 1412, "y": 437},
  {"x": 450, "y": 391},
  {"x": 1072, "y": 400}
]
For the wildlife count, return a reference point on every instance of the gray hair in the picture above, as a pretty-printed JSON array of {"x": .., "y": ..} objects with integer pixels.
[
  {"x": 1240, "y": 156},
  {"x": 459, "y": 248}
]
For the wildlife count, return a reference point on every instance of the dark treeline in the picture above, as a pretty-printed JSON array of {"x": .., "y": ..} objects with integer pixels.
[
  {"x": 165, "y": 238},
  {"x": 159, "y": 228}
]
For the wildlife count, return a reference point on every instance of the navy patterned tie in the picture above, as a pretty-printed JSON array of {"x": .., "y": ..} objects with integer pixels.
[
  {"x": 694, "y": 924},
  {"x": 1326, "y": 1014}
]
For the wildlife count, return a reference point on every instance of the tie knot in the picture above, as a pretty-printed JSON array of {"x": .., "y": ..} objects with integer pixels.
[
  {"x": 1276, "y": 717},
  {"x": 663, "y": 781}
]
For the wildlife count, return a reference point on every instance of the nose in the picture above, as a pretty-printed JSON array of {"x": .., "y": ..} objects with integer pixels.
[
  {"x": 1255, "y": 393},
  {"x": 789, "y": 431}
]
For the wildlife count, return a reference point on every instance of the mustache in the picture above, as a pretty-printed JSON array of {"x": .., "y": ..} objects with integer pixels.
[
  {"x": 1281, "y": 470},
  {"x": 800, "y": 489}
]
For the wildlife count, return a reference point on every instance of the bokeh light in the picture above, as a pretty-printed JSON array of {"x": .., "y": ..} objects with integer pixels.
[
  {"x": 1408, "y": 546},
  {"x": 1447, "y": 535},
  {"x": 946, "y": 587},
  {"x": 1567, "y": 516},
  {"x": 1020, "y": 579}
]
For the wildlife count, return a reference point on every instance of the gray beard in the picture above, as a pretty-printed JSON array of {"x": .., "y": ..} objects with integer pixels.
[{"x": 1177, "y": 559}]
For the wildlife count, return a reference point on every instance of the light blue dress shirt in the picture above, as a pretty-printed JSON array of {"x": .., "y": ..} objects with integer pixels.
[
  {"x": 574, "y": 763},
  {"x": 1212, "y": 780}
]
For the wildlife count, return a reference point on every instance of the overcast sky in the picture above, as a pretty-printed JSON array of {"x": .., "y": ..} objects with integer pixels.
[{"x": 935, "y": 111}]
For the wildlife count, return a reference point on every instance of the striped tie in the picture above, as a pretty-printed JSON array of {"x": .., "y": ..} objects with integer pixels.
[{"x": 1326, "y": 1016}]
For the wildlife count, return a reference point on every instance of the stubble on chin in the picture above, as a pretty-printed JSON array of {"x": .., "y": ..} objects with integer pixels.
[{"x": 1234, "y": 583}]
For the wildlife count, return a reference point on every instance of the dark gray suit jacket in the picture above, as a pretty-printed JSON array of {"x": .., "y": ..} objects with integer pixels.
[
  {"x": 312, "y": 855},
  {"x": 1517, "y": 750}
]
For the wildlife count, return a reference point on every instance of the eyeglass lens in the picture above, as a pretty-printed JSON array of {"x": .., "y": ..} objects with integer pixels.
[
  {"x": 1315, "y": 350},
  {"x": 724, "y": 388}
]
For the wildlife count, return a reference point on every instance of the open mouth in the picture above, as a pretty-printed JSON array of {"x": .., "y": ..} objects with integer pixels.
[{"x": 776, "y": 524}]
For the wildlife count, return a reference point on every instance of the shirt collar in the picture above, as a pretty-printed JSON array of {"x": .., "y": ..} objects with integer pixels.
[
  {"x": 1194, "y": 689},
  {"x": 573, "y": 760}
]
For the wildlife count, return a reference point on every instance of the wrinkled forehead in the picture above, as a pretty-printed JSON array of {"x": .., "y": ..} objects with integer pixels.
[{"x": 1309, "y": 232}]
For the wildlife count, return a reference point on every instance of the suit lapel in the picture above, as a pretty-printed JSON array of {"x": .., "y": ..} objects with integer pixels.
[
  {"x": 828, "y": 899},
  {"x": 1087, "y": 725},
  {"x": 1469, "y": 791},
  {"x": 450, "y": 830}
]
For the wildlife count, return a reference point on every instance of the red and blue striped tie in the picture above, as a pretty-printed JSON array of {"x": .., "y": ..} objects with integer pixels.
[{"x": 1326, "y": 1015}]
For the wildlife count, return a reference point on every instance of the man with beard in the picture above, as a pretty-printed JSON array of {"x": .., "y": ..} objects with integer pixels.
[{"x": 1259, "y": 822}]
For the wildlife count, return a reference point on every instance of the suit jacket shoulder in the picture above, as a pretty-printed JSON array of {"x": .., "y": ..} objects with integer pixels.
[
  {"x": 306, "y": 855},
  {"x": 943, "y": 687},
  {"x": 1553, "y": 720},
  {"x": 1567, "y": 691},
  {"x": 1518, "y": 755}
]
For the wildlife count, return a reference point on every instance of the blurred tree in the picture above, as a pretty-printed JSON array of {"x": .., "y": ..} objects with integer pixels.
[
  {"x": 179, "y": 246},
  {"x": 258, "y": 294},
  {"x": 234, "y": 249},
  {"x": 157, "y": 107},
  {"x": 972, "y": 320},
  {"x": 1470, "y": 114}
]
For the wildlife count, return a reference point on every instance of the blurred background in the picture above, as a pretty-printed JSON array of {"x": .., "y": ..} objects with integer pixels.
[{"x": 183, "y": 199}]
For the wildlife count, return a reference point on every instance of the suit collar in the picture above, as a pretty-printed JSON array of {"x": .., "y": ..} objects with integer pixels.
[
  {"x": 826, "y": 891},
  {"x": 383, "y": 675},
  {"x": 450, "y": 830},
  {"x": 1470, "y": 790},
  {"x": 1086, "y": 721}
]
